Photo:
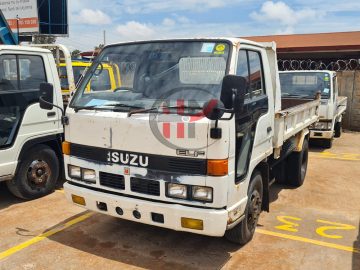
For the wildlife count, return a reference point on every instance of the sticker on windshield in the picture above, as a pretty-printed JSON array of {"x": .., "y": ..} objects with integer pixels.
[
  {"x": 326, "y": 90},
  {"x": 326, "y": 79},
  {"x": 219, "y": 49},
  {"x": 207, "y": 47},
  {"x": 96, "y": 102}
]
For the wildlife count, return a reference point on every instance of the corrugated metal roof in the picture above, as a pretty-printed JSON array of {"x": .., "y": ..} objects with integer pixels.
[{"x": 340, "y": 41}]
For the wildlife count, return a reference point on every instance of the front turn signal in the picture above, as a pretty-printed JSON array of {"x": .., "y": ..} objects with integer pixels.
[
  {"x": 66, "y": 148},
  {"x": 217, "y": 167}
]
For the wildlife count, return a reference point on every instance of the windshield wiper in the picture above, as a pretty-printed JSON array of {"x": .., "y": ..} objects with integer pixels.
[
  {"x": 78, "y": 108},
  {"x": 164, "y": 107},
  {"x": 104, "y": 107},
  {"x": 121, "y": 105}
]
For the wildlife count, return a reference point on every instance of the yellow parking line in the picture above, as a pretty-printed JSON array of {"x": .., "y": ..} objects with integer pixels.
[
  {"x": 308, "y": 240},
  {"x": 334, "y": 157},
  {"x": 43, "y": 236}
]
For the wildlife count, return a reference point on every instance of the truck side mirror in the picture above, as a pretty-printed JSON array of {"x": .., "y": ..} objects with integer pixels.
[
  {"x": 46, "y": 96},
  {"x": 213, "y": 109},
  {"x": 233, "y": 92},
  {"x": 231, "y": 98}
]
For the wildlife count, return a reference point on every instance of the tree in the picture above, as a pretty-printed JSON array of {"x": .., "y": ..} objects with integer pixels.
[
  {"x": 44, "y": 39},
  {"x": 75, "y": 54},
  {"x": 99, "y": 47}
]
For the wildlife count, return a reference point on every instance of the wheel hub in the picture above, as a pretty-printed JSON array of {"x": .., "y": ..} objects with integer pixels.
[
  {"x": 38, "y": 173},
  {"x": 254, "y": 211}
]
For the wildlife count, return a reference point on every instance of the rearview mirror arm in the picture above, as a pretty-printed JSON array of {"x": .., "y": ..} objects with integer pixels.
[{"x": 64, "y": 118}]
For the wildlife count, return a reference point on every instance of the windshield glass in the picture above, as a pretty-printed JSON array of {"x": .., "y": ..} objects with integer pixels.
[
  {"x": 64, "y": 79},
  {"x": 305, "y": 84},
  {"x": 186, "y": 71}
]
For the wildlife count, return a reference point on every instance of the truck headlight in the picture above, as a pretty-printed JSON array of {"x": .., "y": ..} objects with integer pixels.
[
  {"x": 74, "y": 171},
  {"x": 202, "y": 193},
  {"x": 177, "y": 191},
  {"x": 88, "y": 175}
]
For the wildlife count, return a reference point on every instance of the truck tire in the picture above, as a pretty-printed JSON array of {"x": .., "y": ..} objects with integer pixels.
[
  {"x": 37, "y": 174},
  {"x": 296, "y": 166},
  {"x": 244, "y": 231},
  {"x": 327, "y": 143},
  {"x": 338, "y": 130}
]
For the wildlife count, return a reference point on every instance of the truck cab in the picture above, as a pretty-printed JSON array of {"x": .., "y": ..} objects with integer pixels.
[
  {"x": 30, "y": 137},
  {"x": 192, "y": 139},
  {"x": 307, "y": 84}
]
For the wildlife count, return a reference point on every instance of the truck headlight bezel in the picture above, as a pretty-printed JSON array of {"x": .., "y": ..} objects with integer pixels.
[
  {"x": 177, "y": 191},
  {"x": 85, "y": 173},
  {"x": 76, "y": 176},
  {"x": 201, "y": 193}
]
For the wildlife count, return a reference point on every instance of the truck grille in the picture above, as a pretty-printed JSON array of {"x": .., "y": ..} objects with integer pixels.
[
  {"x": 187, "y": 165},
  {"x": 112, "y": 180},
  {"x": 145, "y": 186},
  {"x": 178, "y": 165}
]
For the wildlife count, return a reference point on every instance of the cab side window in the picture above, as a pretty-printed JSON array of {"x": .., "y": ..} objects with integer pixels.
[
  {"x": 20, "y": 79},
  {"x": 243, "y": 69},
  {"x": 256, "y": 74},
  {"x": 31, "y": 72},
  {"x": 250, "y": 67}
]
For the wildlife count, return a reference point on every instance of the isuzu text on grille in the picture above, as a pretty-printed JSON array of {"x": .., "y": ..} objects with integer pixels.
[{"x": 128, "y": 159}]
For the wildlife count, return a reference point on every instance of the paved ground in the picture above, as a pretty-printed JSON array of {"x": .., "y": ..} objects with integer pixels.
[{"x": 313, "y": 227}]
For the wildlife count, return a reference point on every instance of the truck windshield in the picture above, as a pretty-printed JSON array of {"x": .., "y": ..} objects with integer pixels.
[
  {"x": 189, "y": 72},
  {"x": 305, "y": 84}
]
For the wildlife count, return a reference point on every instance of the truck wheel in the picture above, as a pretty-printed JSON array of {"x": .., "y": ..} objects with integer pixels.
[
  {"x": 338, "y": 130},
  {"x": 297, "y": 166},
  {"x": 327, "y": 143},
  {"x": 37, "y": 174},
  {"x": 244, "y": 231}
]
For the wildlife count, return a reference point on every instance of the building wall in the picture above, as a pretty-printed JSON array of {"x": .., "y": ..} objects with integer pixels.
[{"x": 349, "y": 85}]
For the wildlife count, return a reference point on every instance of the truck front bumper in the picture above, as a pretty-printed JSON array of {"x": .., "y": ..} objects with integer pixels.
[
  {"x": 321, "y": 134},
  {"x": 214, "y": 220}
]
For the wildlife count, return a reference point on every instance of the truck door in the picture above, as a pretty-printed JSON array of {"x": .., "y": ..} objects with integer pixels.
[
  {"x": 253, "y": 125},
  {"x": 20, "y": 78}
]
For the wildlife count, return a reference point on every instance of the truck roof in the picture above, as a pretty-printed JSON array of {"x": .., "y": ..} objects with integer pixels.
[
  {"x": 23, "y": 48},
  {"x": 231, "y": 39}
]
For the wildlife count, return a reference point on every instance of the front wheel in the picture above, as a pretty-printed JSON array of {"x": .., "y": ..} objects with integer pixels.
[
  {"x": 37, "y": 174},
  {"x": 327, "y": 143},
  {"x": 338, "y": 130},
  {"x": 244, "y": 231}
]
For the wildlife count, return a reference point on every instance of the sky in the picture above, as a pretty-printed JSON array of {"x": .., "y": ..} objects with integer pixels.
[{"x": 128, "y": 20}]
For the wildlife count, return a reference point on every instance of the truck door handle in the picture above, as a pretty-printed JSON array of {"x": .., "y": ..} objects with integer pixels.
[
  {"x": 269, "y": 129},
  {"x": 51, "y": 114}
]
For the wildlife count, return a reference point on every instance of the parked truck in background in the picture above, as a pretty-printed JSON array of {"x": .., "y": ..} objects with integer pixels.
[
  {"x": 306, "y": 84},
  {"x": 109, "y": 78},
  {"x": 192, "y": 141},
  {"x": 30, "y": 137}
]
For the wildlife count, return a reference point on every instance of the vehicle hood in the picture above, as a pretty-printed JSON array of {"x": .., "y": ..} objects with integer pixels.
[{"x": 147, "y": 133}]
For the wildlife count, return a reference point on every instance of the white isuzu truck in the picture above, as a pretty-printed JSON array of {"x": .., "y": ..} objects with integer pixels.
[
  {"x": 307, "y": 84},
  {"x": 30, "y": 137},
  {"x": 192, "y": 138}
]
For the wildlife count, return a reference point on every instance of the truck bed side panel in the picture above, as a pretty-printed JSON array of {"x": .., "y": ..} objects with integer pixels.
[{"x": 292, "y": 120}]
